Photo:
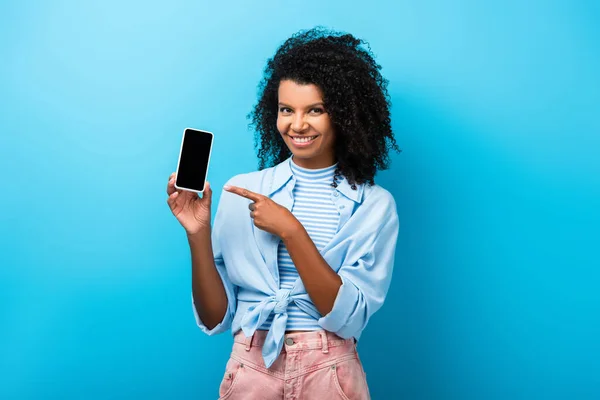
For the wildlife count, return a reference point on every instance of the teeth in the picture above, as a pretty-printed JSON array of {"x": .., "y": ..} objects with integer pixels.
[{"x": 304, "y": 139}]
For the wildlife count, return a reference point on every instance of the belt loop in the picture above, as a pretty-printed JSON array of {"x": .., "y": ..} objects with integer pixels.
[
  {"x": 324, "y": 341},
  {"x": 249, "y": 342}
]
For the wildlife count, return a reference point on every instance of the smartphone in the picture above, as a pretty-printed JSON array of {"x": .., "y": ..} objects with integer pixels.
[{"x": 194, "y": 157}]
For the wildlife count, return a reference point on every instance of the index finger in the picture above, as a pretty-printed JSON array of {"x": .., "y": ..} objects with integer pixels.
[{"x": 243, "y": 192}]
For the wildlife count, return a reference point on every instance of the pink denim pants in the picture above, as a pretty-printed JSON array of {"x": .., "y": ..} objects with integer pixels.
[{"x": 312, "y": 365}]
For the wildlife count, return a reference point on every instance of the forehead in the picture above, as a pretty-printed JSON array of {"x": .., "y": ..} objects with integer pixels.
[{"x": 291, "y": 92}]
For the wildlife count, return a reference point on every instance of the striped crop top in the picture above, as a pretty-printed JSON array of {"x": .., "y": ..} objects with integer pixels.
[{"x": 319, "y": 216}]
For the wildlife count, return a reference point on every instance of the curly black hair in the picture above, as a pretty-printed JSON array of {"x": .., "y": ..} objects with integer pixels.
[{"x": 354, "y": 94}]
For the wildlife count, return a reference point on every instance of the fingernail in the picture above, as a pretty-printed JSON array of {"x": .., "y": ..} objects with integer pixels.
[{"x": 226, "y": 187}]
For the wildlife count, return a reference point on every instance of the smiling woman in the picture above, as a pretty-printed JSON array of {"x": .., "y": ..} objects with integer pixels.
[
  {"x": 298, "y": 294},
  {"x": 304, "y": 124},
  {"x": 337, "y": 91}
]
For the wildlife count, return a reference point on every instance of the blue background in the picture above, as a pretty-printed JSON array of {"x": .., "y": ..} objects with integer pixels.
[{"x": 495, "y": 293}]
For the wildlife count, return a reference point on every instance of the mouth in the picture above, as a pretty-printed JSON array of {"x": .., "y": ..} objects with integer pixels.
[{"x": 302, "y": 141}]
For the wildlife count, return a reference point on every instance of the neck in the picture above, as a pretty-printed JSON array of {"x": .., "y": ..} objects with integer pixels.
[{"x": 313, "y": 163}]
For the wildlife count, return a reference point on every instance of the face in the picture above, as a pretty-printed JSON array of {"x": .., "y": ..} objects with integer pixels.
[{"x": 304, "y": 125}]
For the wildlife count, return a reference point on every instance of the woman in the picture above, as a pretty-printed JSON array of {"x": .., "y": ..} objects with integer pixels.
[{"x": 301, "y": 252}]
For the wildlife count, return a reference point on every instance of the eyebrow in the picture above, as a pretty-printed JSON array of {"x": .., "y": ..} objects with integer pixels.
[{"x": 312, "y": 105}]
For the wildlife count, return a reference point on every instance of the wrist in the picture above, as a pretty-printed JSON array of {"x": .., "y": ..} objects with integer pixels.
[
  {"x": 198, "y": 234},
  {"x": 294, "y": 230}
]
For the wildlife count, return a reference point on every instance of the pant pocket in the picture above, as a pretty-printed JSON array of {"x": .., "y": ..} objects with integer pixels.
[
  {"x": 233, "y": 370},
  {"x": 350, "y": 380}
]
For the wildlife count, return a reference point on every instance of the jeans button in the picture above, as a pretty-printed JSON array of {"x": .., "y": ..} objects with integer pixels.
[{"x": 289, "y": 341}]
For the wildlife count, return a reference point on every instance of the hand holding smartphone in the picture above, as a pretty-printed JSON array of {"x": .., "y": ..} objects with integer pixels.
[{"x": 192, "y": 211}]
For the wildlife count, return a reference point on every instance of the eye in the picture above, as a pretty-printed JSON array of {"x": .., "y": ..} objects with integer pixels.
[
  {"x": 317, "y": 110},
  {"x": 284, "y": 110}
]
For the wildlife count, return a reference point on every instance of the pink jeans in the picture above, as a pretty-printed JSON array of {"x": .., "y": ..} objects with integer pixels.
[{"x": 311, "y": 365}]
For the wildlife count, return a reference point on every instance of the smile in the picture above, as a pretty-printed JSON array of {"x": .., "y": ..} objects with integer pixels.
[{"x": 303, "y": 140}]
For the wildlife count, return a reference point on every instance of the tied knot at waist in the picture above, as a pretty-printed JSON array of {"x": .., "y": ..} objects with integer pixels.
[
  {"x": 259, "y": 312},
  {"x": 282, "y": 299}
]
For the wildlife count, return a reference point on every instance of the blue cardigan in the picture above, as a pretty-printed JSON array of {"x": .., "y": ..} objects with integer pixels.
[{"x": 361, "y": 252}]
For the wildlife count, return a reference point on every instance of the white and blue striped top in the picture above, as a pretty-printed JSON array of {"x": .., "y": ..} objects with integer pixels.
[{"x": 319, "y": 216}]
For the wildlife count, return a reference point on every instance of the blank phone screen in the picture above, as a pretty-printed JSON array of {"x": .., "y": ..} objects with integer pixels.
[{"x": 193, "y": 161}]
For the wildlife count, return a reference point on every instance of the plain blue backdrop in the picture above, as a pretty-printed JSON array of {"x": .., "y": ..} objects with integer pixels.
[{"x": 495, "y": 294}]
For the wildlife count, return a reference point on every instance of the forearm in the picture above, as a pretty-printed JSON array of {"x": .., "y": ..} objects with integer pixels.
[
  {"x": 209, "y": 294},
  {"x": 321, "y": 282}
]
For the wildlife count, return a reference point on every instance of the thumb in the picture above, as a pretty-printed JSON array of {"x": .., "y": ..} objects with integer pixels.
[{"x": 207, "y": 193}]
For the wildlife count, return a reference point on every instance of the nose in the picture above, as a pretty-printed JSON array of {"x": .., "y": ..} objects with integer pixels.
[{"x": 298, "y": 123}]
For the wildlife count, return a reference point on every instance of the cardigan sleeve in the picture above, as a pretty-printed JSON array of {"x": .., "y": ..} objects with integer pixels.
[{"x": 366, "y": 278}]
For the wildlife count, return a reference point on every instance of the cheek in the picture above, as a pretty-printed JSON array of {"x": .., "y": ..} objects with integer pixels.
[
  {"x": 327, "y": 130},
  {"x": 281, "y": 125}
]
